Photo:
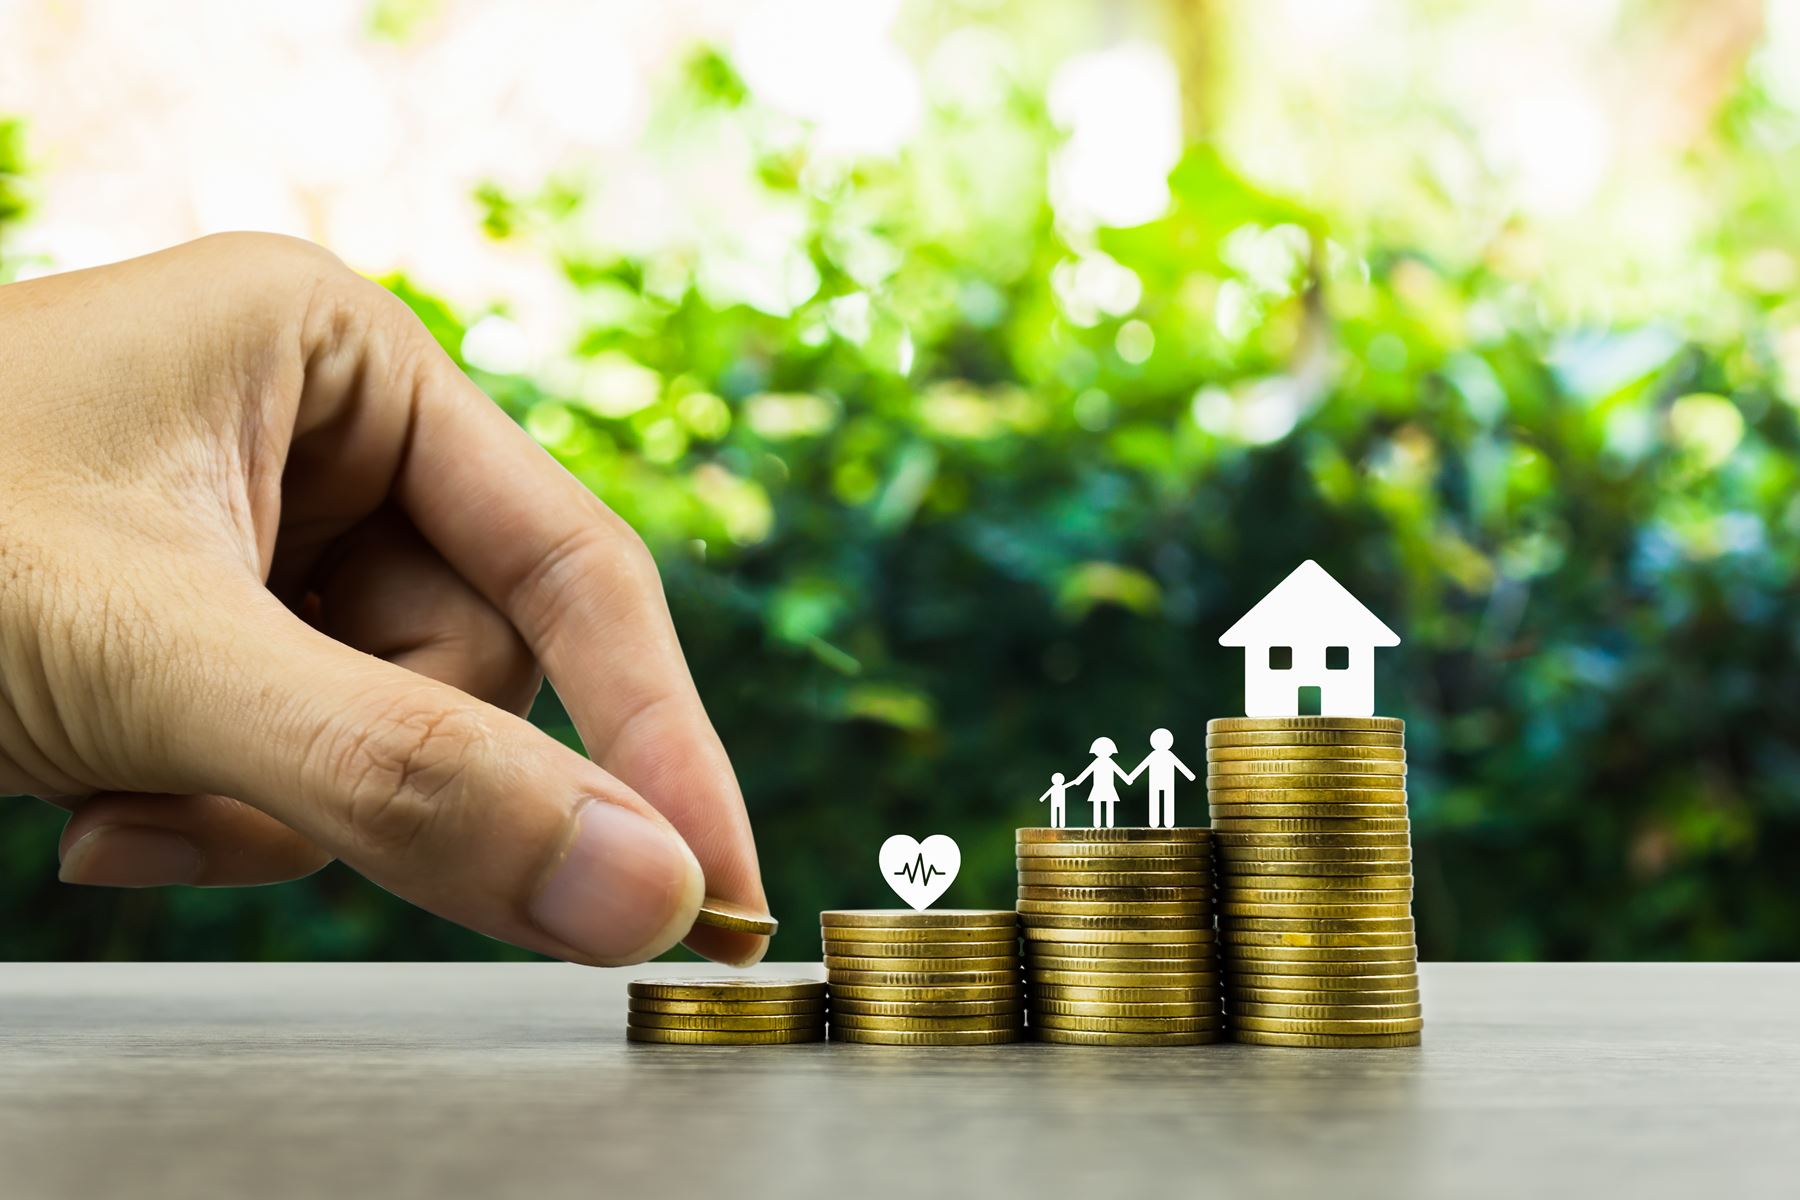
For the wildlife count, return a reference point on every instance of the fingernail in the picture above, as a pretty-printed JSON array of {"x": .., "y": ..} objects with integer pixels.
[
  {"x": 130, "y": 856},
  {"x": 626, "y": 889}
]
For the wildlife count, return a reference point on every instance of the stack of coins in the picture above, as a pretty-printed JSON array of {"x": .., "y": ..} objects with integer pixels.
[
  {"x": 945, "y": 977},
  {"x": 1315, "y": 880},
  {"x": 725, "y": 1012},
  {"x": 1119, "y": 943}
]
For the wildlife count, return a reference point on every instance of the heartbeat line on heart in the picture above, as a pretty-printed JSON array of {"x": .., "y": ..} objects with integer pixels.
[{"x": 919, "y": 869}]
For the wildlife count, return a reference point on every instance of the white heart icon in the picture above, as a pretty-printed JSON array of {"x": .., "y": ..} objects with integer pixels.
[{"x": 920, "y": 871}]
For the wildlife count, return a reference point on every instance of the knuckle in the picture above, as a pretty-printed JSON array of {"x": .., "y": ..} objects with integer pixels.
[
  {"x": 404, "y": 773},
  {"x": 604, "y": 551}
]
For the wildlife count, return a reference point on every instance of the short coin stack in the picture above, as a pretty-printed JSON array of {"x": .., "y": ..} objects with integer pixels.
[
  {"x": 1315, "y": 883},
  {"x": 945, "y": 977},
  {"x": 1119, "y": 942},
  {"x": 725, "y": 1012}
]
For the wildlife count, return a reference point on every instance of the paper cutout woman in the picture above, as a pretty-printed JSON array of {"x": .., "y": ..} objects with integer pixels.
[{"x": 1103, "y": 769}]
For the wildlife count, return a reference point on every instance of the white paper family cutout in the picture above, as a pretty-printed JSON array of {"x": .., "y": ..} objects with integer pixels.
[
  {"x": 1161, "y": 763},
  {"x": 1309, "y": 632},
  {"x": 920, "y": 871}
]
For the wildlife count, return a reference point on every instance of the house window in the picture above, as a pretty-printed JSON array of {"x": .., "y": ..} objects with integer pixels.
[
  {"x": 1281, "y": 658},
  {"x": 1337, "y": 658}
]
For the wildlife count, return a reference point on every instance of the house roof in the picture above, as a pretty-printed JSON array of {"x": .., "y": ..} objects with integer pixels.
[{"x": 1309, "y": 606}]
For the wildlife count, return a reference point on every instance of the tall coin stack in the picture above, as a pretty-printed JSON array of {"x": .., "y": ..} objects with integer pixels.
[
  {"x": 1315, "y": 883},
  {"x": 1119, "y": 942},
  {"x": 943, "y": 977},
  {"x": 725, "y": 1012}
]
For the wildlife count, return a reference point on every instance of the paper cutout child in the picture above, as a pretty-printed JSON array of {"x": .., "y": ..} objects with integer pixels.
[
  {"x": 1059, "y": 811},
  {"x": 1103, "y": 794},
  {"x": 1162, "y": 764}
]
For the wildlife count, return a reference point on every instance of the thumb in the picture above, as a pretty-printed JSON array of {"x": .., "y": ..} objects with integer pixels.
[{"x": 451, "y": 803}]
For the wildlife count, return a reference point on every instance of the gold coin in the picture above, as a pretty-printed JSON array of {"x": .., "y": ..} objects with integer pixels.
[
  {"x": 1284, "y": 1025},
  {"x": 722, "y": 1021},
  {"x": 921, "y": 1024},
  {"x": 1319, "y": 941},
  {"x": 1117, "y": 895},
  {"x": 1259, "y": 792},
  {"x": 1037, "y": 923},
  {"x": 905, "y": 1037},
  {"x": 934, "y": 934},
  {"x": 1305, "y": 737},
  {"x": 1235, "y": 955},
  {"x": 1225, "y": 813},
  {"x": 734, "y": 990},
  {"x": 1231, "y": 872},
  {"x": 1219, "y": 772},
  {"x": 1129, "y": 979},
  {"x": 1332, "y": 753},
  {"x": 1115, "y": 966},
  {"x": 1301, "y": 841},
  {"x": 1347, "y": 997},
  {"x": 1318, "y": 1041},
  {"x": 742, "y": 1007},
  {"x": 1240, "y": 968},
  {"x": 1128, "y": 1024},
  {"x": 723, "y": 914},
  {"x": 942, "y": 950},
  {"x": 1344, "y": 825},
  {"x": 1102, "y": 1008},
  {"x": 1329, "y": 885},
  {"x": 1121, "y": 950},
  {"x": 1187, "y": 868},
  {"x": 997, "y": 962},
  {"x": 1188, "y": 851},
  {"x": 1399, "y": 984},
  {"x": 1089, "y": 880},
  {"x": 842, "y": 1006},
  {"x": 1012, "y": 991},
  {"x": 724, "y": 1037},
  {"x": 1306, "y": 854},
  {"x": 1394, "y": 1011},
  {"x": 1319, "y": 724},
  {"x": 1314, "y": 925},
  {"x": 1079, "y": 1037},
  {"x": 1032, "y": 909},
  {"x": 1314, "y": 911},
  {"x": 925, "y": 979},
  {"x": 1091, "y": 934},
  {"x": 906, "y": 918},
  {"x": 1257, "y": 895},
  {"x": 1122, "y": 995},
  {"x": 1181, "y": 833}
]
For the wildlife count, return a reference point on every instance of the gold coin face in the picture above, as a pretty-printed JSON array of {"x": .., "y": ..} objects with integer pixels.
[
  {"x": 921, "y": 1024},
  {"x": 1326, "y": 1012},
  {"x": 1128, "y": 979},
  {"x": 907, "y": 1037},
  {"x": 1313, "y": 910},
  {"x": 1041, "y": 992},
  {"x": 1116, "y": 966},
  {"x": 1114, "y": 850},
  {"x": 1281, "y": 1025},
  {"x": 998, "y": 962},
  {"x": 1306, "y": 737},
  {"x": 726, "y": 1021},
  {"x": 1182, "y": 868},
  {"x": 1334, "y": 753},
  {"x": 723, "y": 914},
  {"x": 1114, "y": 895},
  {"x": 932, "y": 934},
  {"x": 1083, "y": 1037},
  {"x": 947, "y": 950},
  {"x": 1341, "y": 997},
  {"x": 906, "y": 918},
  {"x": 1047, "y": 933},
  {"x": 722, "y": 1037},
  {"x": 1012, "y": 992},
  {"x": 844, "y": 1006},
  {"x": 1197, "y": 833},
  {"x": 735, "y": 990},
  {"x": 1095, "y": 880},
  {"x": 1327, "y": 825},
  {"x": 1102, "y": 1008},
  {"x": 1326, "y": 1042},
  {"x": 741, "y": 1007},
  {"x": 1032, "y": 909},
  {"x": 1236, "y": 954},
  {"x": 1319, "y": 724},
  {"x": 843, "y": 980},
  {"x": 1206, "y": 1024}
]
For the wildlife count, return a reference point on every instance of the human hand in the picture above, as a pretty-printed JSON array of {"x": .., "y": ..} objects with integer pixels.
[{"x": 276, "y": 581}]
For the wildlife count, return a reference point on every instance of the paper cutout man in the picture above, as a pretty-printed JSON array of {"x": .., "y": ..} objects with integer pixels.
[
  {"x": 1058, "y": 798},
  {"x": 1162, "y": 765},
  {"x": 1103, "y": 795}
]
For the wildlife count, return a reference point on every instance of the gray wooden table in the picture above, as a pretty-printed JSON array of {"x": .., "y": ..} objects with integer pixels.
[{"x": 417, "y": 1080}]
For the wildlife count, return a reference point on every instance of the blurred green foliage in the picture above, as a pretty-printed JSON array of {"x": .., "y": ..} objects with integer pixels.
[{"x": 976, "y": 487}]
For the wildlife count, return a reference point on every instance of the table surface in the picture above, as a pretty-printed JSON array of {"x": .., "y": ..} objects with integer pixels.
[{"x": 449, "y": 1080}]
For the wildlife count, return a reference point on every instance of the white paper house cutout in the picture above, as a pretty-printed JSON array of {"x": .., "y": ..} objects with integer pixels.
[{"x": 1308, "y": 614}]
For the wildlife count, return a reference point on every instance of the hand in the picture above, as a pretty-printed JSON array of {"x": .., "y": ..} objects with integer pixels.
[{"x": 276, "y": 581}]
